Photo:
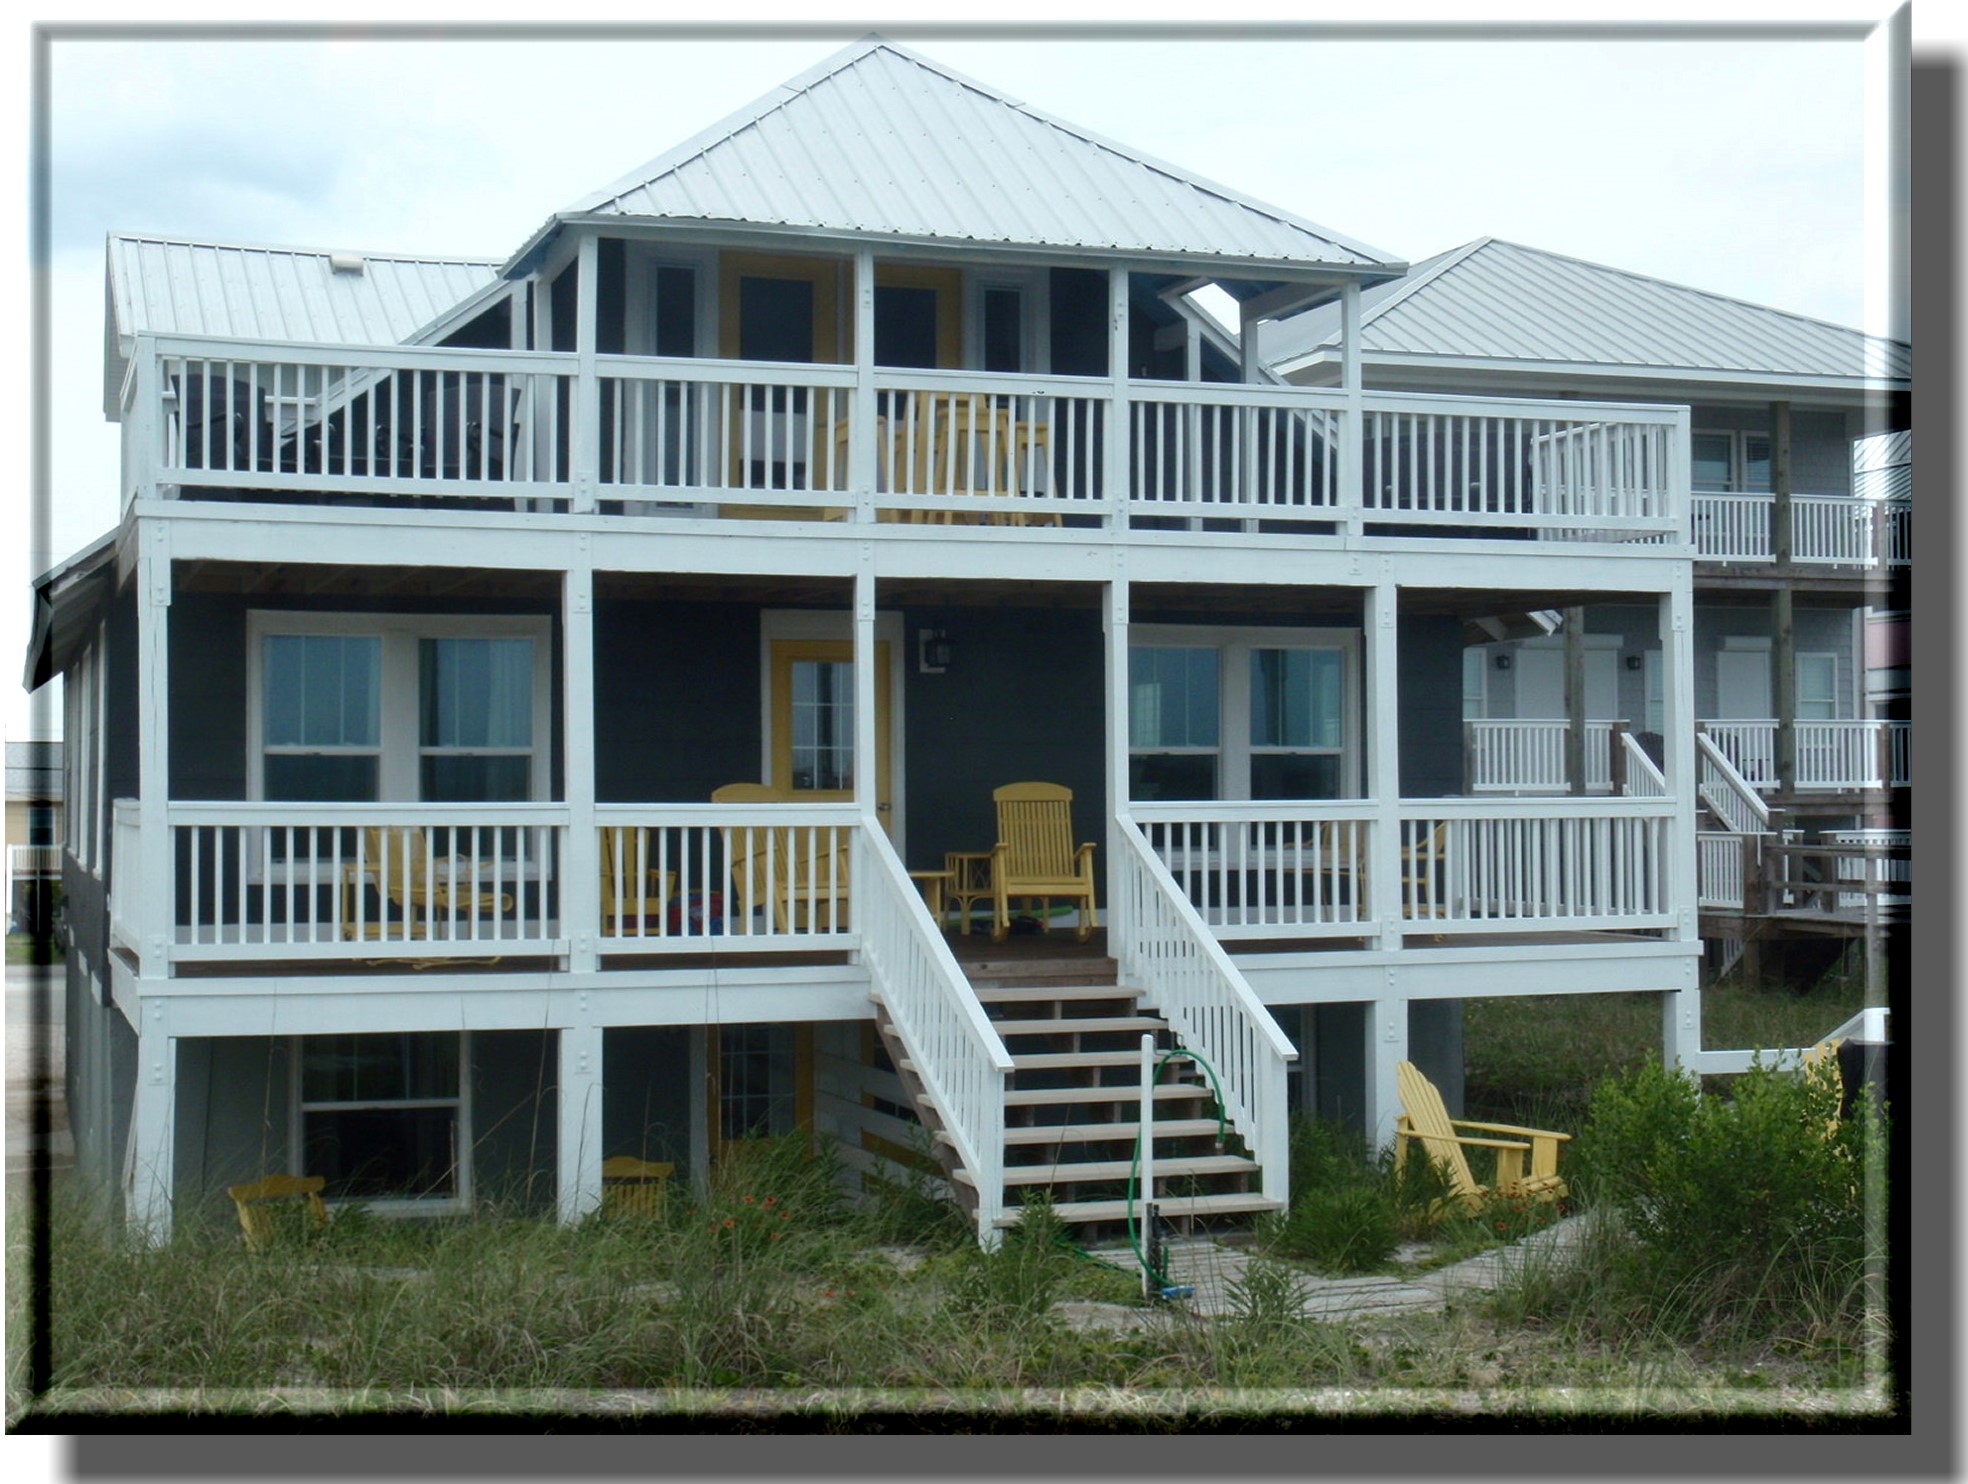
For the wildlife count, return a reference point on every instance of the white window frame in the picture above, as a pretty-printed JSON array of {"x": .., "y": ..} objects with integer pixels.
[
  {"x": 1034, "y": 289},
  {"x": 640, "y": 264},
  {"x": 1738, "y": 477},
  {"x": 459, "y": 1202},
  {"x": 1234, "y": 646},
  {"x": 1476, "y": 664},
  {"x": 398, "y": 735},
  {"x": 1833, "y": 695}
]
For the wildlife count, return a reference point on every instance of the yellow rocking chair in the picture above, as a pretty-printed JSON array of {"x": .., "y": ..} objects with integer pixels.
[{"x": 1034, "y": 856}]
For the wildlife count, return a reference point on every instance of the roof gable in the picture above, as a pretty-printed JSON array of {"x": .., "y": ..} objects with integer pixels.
[
  {"x": 881, "y": 141},
  {"x": 1500, "y": 303}
]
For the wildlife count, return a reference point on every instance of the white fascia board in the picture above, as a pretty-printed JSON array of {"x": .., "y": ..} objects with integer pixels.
[{"x": 1479, "y": 368}]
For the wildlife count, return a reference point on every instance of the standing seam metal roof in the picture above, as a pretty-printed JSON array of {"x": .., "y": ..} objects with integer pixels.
[
  {"x": 1492, "y": 300},
  {"x": 881, "y": 141}
]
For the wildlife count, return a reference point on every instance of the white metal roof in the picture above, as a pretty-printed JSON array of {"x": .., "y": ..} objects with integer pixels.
[
  {"x": 881, "y": 141},
  {"x": 1882, "y": 466},
  {"x": 177, "y": 286},
  {"x": 1497, "y": 304}
]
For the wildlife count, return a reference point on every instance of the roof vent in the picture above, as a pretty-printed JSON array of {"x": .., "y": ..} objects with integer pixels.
[{"x": 346, "y": 262}]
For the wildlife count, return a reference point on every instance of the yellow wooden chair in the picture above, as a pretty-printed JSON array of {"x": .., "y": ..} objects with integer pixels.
[
  {"x": 634, "y": 1187},
  {"x": 1035, "y": 857},
  {"x": 397, "y": 861},
  {"x": 632, "y": 903},
  {"x": 1421, "y": 875},
  {"x": 1425, "y": 1120},
  {"x": 256, "y": 1198},
  {"x": 803, "y": 878}
]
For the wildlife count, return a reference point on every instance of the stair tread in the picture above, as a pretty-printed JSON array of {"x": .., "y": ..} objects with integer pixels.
[
  {"x": 1035, "y": 1061},
  {"x": 993, "y": 994},
  {"x": 1097, "y": 1133},
  {"x": 1035, "y": 1097},
  {"x": 1121, "y": 1169},
  {"x": 1167, "y": 1206},
  {"x": 1079, "y": 1025}
]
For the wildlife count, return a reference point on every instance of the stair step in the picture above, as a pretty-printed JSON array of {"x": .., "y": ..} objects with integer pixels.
[
  {"x": 1039, "y": 1061},
  {"x": 1005, "y": 994},
  {"x": 1121, "y": 1129},
  {"x": 1121, "y": 1169},
  {"x": 1168, "y": 1207},
  {"x": 1090, "y": 1024},
  {"x": 1038, "y": 1097},
  {"x": 1036, "y": 972}
]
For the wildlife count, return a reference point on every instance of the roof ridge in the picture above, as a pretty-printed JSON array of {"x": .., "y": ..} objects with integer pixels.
[{"x": 179, "y": 239}]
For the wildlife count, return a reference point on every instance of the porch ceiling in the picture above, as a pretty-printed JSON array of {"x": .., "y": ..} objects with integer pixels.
[{"x": 311, "y": 580}]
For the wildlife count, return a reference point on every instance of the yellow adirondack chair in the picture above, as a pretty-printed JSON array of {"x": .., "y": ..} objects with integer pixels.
[
  {"x": 255, "y": 1197},
  {"x": 804, "y": 879},
  {"x": 1425, "y": 1120},
  {"x": 397, "y": 862},
  {"x": 634, "y": 1187},
  {"x": 632, "y": 905},
  {"x": 1034, "y": 856}
]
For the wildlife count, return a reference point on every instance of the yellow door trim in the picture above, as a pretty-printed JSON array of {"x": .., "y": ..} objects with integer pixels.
[{"x": 785, "y": 654}]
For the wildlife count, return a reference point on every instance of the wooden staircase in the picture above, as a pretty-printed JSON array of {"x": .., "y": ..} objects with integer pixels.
[{"x": 1072, "y": 1110}]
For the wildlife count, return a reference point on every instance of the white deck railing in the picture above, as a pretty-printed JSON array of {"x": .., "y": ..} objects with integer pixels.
[
  {"x": 957, "y": 1054},
  {"x": 1891, "y": 861},
  {"x": 1509, "y": 756},
  {"x": 1826, "y": 530},
  {"x": 1857, "y": 754},
  {"x": 208, "y": 415},
  {"x": 126, "y": 898},
  {"x": 1723, "y": 788},
  {"x": 1165, "y": 949},
  {"x": 1644, "y": 779},
  {"x": 274, "y": 881},
  {"x": 690, "y": 878},
  {"x": 1258, "y": 870},
  {"x": 1558, "y": 864},
  {"x": 1719, "y": 868}
]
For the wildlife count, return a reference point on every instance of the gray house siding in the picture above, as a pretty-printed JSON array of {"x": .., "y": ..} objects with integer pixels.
[
  {"x": 514, "y": 1100},
  {"x": 677, "y": 709},
  {"x": 1820, "y": 443}
]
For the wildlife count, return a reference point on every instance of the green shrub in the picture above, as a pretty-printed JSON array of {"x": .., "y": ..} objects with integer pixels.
[
  {"x": 1340, "y": 1228},
  {"x": 1755, "y": 1189}
]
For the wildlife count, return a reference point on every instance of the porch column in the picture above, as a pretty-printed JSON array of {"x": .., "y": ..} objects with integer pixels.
[
  {"x": 1353, "y": 429},
  {"x": 1114, "y": 463},
  {"x": 1681, "y": 1008},
  {"x": 580, "y": 857},
  {"x": 1783, "y": 641},
  {"x": 867, "y": 796},
  {"x": 1384, "y": 760},
  {"x": 577, "y": 1171},
  {"x": 862, "y": 475},
  {"x": 586, "y": 433},
  {"x": 1114, "y": 621},
  {"x": 1387, "y": 1046},
  {"x": 155, "y": 868},
  {"x": 148, "y": 1175},
  {"x": 1575, "y": 700}
]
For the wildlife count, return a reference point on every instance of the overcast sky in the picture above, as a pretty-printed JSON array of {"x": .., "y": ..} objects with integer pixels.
[{"x": 1734, "y": 165}]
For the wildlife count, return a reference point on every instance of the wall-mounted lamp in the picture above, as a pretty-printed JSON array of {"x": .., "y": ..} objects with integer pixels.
[
  {"x": 932, "y": 651},
  {"x": 1633, "y": 662},
  {"x": 1503, "y": 662}
]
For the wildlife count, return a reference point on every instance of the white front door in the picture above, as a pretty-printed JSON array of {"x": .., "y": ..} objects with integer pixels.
[{"x": 1742, "y": 685}]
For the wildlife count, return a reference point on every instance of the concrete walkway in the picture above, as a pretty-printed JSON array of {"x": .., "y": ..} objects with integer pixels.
[{"x": 1215, "y": 1272}]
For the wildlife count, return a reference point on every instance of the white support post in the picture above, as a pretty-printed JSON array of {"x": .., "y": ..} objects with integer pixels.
[
  {"x": 867, "y": 788},
  {"x": 1116, "y": 471},
  {"x": 149, "y": 1175},
  {"x": 145, "y": 416},
  {"x": 155, "y": 866},
  {"x": 586, "y": 431},
  {"x": 1114, "y": 621},
  {"x": 1387, "y": 1046},
  {"x": 1681, "y": 1033},
  {"x": 579, "y": 1101},
  {"x": 1353, "y": 425},
  {"x": 1384, "y": 759},
  {"x": 862, "y": 475},
  {"x": 580, "y": 863}
]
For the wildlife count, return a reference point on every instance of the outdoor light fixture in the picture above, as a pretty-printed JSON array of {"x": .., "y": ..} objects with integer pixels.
[
  {"x": 932, "y": 651},
  {"x": 1503, "y": 662},
  {"x": 1633, "y": 662}
]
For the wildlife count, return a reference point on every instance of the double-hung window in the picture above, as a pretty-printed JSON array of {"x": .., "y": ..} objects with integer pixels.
[
  {"x": 384, "y": 1117},
  {"x": 374, "y": 707},
  {"x": 1241, "y": 713},
  {"x": 1730, "y": 462}
]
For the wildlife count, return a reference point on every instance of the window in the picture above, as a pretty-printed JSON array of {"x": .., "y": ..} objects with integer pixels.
[
  {"x": 1475, "y": 683},
  {"x": 1817, "y": 687},
  {"x": 1240, "y": 713},
  {"x": 368, "y": 707},
  {"x": 1730, "y": 461},
  {"x": 384, "y": 1117},
  {"x": 823, "y": 724},
  {"x": 41, "y": 825},
  {"x": 757, "y": 1088}
]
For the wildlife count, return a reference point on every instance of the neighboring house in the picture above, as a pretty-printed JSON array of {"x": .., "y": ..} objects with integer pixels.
[
  {"x": 1800, "y": 523},
  {"x": 862, "y": 450},
  {"x": 34, "y": 834}
]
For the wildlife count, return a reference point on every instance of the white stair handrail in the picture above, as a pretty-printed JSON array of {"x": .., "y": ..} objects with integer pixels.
[
  {"x": 958, "y": 1055},
  {"x": 1644, "y": 779},
  {"x": 1167, "y": 952},
  {"x": 1725, "y": 791}
]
